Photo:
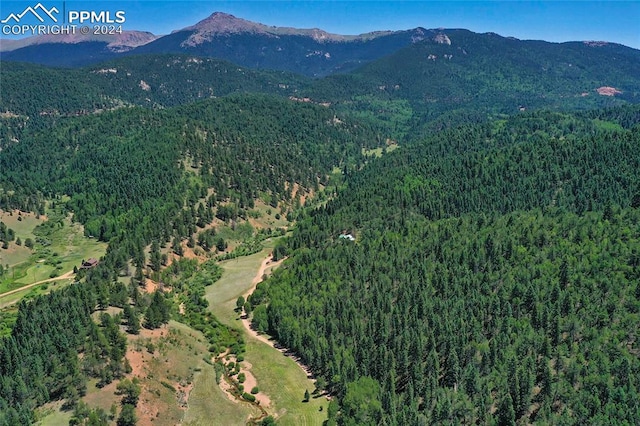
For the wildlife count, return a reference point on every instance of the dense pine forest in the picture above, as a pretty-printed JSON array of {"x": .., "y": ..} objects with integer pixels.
[
  {"x": 485, "y": 272},
  {"x": 174, "y": 80},
  {"x": 493, "y": 279},
  {"x": 133, "y": 166}
]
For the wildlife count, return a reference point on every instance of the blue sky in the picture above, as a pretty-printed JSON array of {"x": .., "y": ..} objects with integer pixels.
[{"x": 615, "y": 21}]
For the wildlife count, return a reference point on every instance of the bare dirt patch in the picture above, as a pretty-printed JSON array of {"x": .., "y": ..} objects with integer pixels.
[
  {"x": 608, "y": 91},
  {"x": 304, "y": 194},
  {"x": 164, "y": 361},
  {"x": 136, "y": 360},
  {"x": 250, "y": 382},
  {"x": 150, "y": 286}
]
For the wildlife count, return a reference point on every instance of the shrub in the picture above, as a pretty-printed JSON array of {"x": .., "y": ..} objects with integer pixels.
[{"x": 168, "y": 386}]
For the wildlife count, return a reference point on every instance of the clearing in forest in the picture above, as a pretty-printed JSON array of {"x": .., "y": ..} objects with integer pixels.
[
  {"x": 278, "y": 376},
  {"x": 58, "y": 246}
]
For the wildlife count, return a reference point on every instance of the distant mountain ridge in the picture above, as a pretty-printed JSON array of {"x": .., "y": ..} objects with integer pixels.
[
  {"x": 456, "y": 69},
  {"x": 223, "y": 23},
  {"x": 403, "y": 78},
  {"x": 439, "y": 78},
  {"x": 443, "y": 78},
  {"x": 311, "y": 52},
  {"x": 117, "y": 43},
  {"x": 72, "y": 50}
]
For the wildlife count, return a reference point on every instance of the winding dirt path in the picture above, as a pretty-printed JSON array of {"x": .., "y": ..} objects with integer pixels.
[
  {"x": 67, "y": 275},
  {"x": 268, "y": 263}
]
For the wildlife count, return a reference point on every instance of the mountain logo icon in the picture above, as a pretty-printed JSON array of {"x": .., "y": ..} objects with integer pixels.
[{"x": 38, "y": 11}]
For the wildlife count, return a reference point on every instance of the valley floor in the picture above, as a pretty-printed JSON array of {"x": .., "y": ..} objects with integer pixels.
[{"x": 277, "y": 375}]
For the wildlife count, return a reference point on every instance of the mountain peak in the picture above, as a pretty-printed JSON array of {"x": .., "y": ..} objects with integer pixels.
[{"x": 221, "y": 23}]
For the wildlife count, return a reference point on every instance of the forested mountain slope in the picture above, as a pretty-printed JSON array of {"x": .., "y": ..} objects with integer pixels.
[
  {"x": 310, "y": 52},
  {"x": 464, "y": 73},
  {"x": 239, "y": 147},
  {"x": 494, "y": 280},
  {"x": 34, "y": 90},
  {"x": 155, "y": 81},
  {"x": 169, "y": 80},
  {"x": 442, "y": 71}
]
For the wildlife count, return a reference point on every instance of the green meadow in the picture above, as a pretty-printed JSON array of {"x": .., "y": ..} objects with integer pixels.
[
  {"x": 58, "y": 246},
  {"x": 278, "y": 376}
]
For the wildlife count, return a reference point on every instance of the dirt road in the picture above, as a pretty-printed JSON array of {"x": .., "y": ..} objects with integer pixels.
[
  {"x": 67, "y": 275},
  {"x": 268, "y": 264}
]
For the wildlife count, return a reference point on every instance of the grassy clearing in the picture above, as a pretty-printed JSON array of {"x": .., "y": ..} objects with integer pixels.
[
  {"x": 23, "y": 225},
  {"x": 208, "y": 404},
  {"x": 241, "y": 232},
  {"x": 14, "y": 255},
  {"x": 236, "y": 280},
  {"x": 26, "y": 267},
  {"x": 167, "y": 362},
  {"x": 277, "y": 375},
  {"x": 60, "y": 246},
  {"x": 103, "y": 397},
  {"x": 265, "y": 216},
  {"x": 378, "y": 152},
  {"x": 52, "y": 415},
  {"x": 7, "y": 301},
  {"x": 280, "y": 377},
  {"x": 166, "y": 366},
  {"x": 67, "y": 247}
]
